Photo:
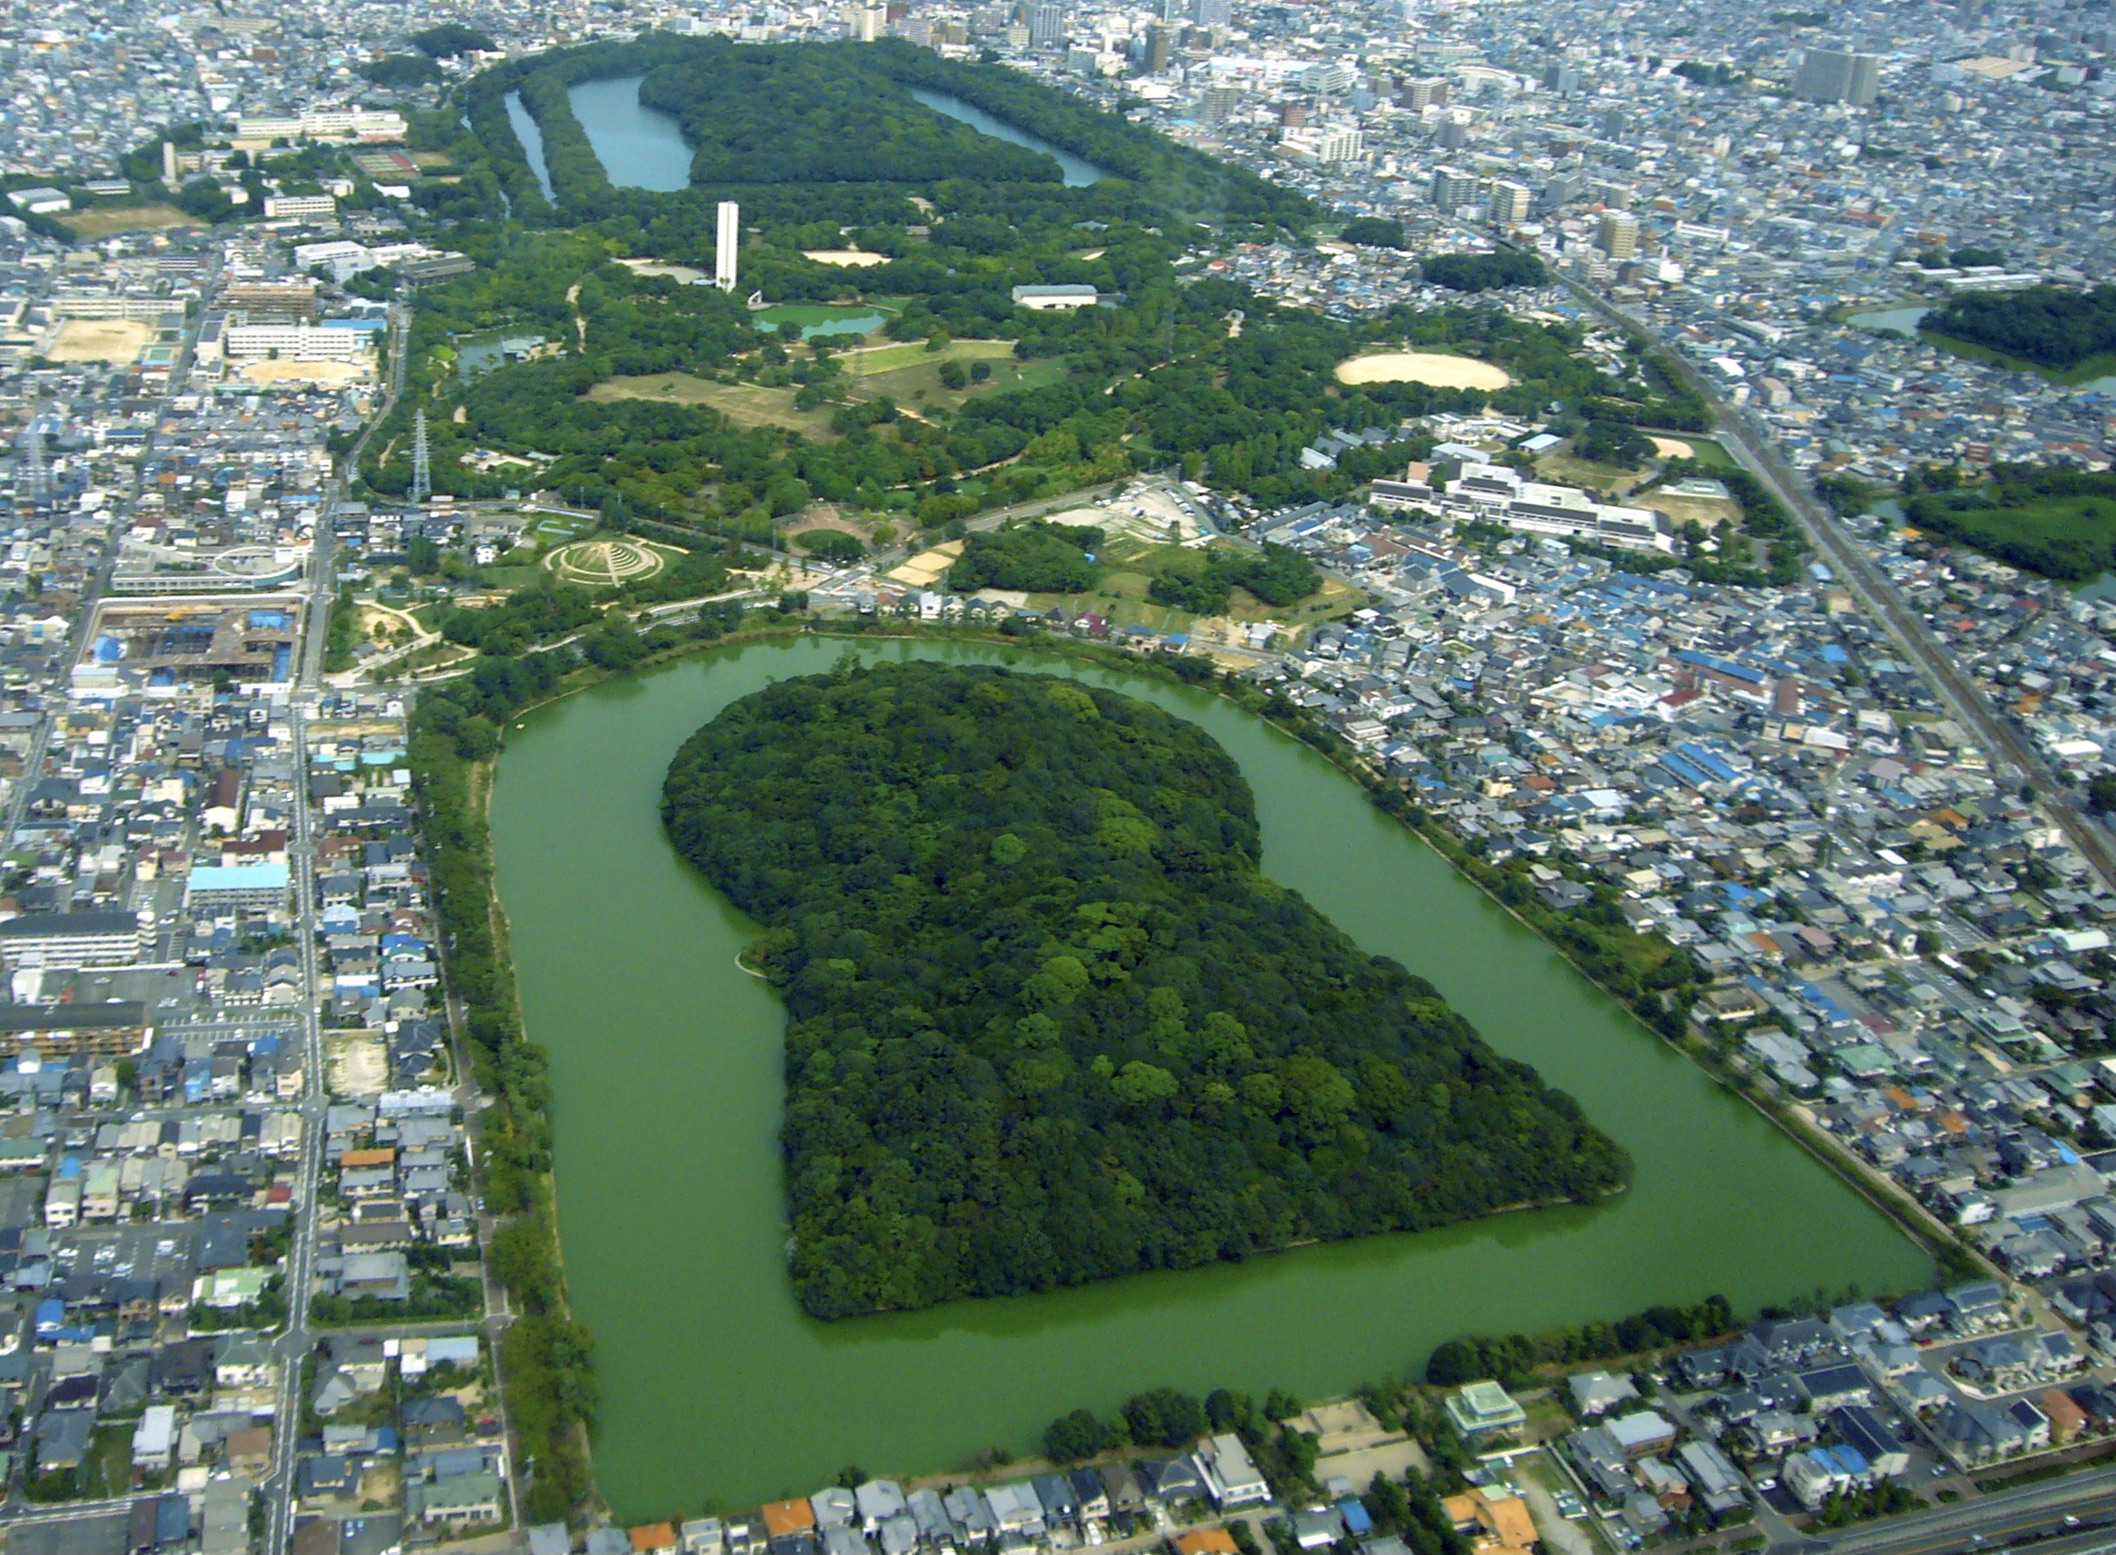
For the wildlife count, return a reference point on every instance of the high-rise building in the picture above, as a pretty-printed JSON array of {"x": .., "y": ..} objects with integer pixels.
[
  {"x": 1510, "y": 203},
  {"x": 1160, "y": 48},
  {"x": 1211, "y": 13},
  {"x": 1425, "y": 92},
  {"x": 1619, "y": 234},
  {"x": 726, "y": 245},
  {"x": 1219, "y": 104},
  {"x": 865, "y": 21},
  {"x": 1453, "y": 188},
  {"x": 1454, "y": 135},
  {"x": 1046, "y": 23},
  {"x": 1836, "y": 76}
]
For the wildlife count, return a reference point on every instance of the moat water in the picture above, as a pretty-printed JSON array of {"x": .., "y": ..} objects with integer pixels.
[
  {"x": 665, "y": 1061},
  {"x": 639, "y": 147}
]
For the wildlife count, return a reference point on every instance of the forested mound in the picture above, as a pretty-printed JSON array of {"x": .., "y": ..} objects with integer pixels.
[
  {"x": 1047, "y": 1020},
  {"x": 2052, "y": 326}
]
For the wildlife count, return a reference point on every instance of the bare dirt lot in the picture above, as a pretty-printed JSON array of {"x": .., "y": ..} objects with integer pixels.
[
  {"x": 100, "y": 340},
  {"x": 330, "y": 374},
  {"x": 855, "y": 258},
  {"x": 922, "y": 570},
  {"x": 1429, "y": 367}
]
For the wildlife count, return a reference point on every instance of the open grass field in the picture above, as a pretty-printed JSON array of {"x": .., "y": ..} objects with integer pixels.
[
  {"x": 106, "y": 221},
  {"x": 919, "y": 383},
  {"x": 745, "y": 404},
  {"x": 2070, "y": 537},
  {"x": 1562, "y": 469},
  {"x": 1436, "y": 368},
  {"x": 1702, "y": 450},
  {"x": 868, "y": 360}
]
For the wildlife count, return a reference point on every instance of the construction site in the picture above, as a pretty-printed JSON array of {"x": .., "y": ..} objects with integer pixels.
[{"x": 147, "y": 644}]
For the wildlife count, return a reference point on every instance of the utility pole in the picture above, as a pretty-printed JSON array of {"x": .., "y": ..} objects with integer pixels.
[{"x": 421, "y": 470}]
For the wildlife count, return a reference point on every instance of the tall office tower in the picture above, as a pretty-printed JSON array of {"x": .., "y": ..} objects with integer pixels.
[
  {"x": 726, "y": 245},
  {"x": 1219, "y": 104},
  {"x": 1836, "y": 76},
  {"x": 1426, "y": 92},
  {"x": 1619, "y": 235},
  {"x": 1453, "y": 188},
  {"x": 1292, "y": 116},
  {"x": 866, "y": 22},
  {"x": 1046, "y": 23},
  {"x": 1212, "y": 13},
  {"x": 1160, "y": 47},
  {"x": 1509, "y": 203},
  {"x": 1561, "y": 79}
]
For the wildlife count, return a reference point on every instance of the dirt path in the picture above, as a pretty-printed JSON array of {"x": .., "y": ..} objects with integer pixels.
[{"x": 580, "y": 322}]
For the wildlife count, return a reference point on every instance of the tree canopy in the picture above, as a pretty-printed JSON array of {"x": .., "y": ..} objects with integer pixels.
[
  {"x": 1040, "y": 557},
  {"x": 1484, "y": 272},
  {"x": 2052, "y": 326},
  {"x": 1048, "y": 1021}
]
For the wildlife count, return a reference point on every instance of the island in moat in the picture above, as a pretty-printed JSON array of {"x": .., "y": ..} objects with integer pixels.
[{"x": 1050, "y": 1023}]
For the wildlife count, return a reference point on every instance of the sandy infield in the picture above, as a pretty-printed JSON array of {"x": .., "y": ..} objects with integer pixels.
[
  {"x": 1429, "y": 367},
  {"x": 1672, "y": 448},
  {"x": 858, "y": 258}
]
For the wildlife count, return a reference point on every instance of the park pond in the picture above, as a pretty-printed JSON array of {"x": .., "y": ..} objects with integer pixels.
[
  {"x": 666, "y": 1069},
  {"x": 817, "y": 318}
]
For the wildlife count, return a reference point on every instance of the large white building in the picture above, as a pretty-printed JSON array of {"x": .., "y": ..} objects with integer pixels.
[
  {"x": 1499, "y": 494},
  {"x": 300, "y": 342},
  {"x": 361, "y": 124},
  {"x": 727, "y": 245}
]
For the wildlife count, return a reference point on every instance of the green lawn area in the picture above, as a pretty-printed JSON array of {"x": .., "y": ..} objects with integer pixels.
[
  {"x": 2069, "y": 537},
  {"x": 1563, "y": 469},
  {"x": 918, "y": 382},
  {"x": 909, "y": 353},
  {"x": 107, "y": 1470},
  {"x": 1705, "y": 451}
]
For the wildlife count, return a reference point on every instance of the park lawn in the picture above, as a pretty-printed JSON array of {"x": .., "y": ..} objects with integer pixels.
[
  {"x": 909, "y": 353},
  {"x": 504, "y": 579},
  {"x": 745, "y": 404},
  {"x": 105, "y": 221},
  {"x": 918, "y": 382}
]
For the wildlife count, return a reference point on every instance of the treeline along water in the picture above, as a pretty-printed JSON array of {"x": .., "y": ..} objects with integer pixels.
[{"x": 665, "y": 1059}]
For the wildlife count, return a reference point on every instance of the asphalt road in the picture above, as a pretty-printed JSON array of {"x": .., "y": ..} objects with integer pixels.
[{"x": 2004, "y": 1519}]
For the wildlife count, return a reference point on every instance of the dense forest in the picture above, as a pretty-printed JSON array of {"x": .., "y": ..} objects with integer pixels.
[
  {"x": 1484, "y": 272},
  {"x": 830, "y": 131},
  {"x": 1047, "y": 1020},
  {"x": 2052, "y": 326},
  {"x": 1040, "y": 557}
]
